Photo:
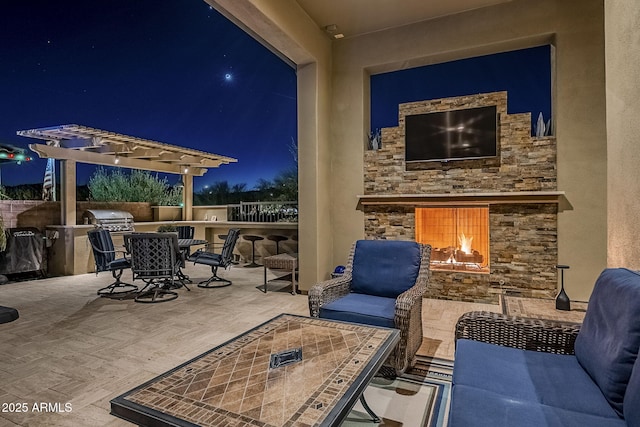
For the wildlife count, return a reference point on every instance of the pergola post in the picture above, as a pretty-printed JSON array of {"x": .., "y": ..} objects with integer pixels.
[
  {"x": 68, "y": 190},
  {"x": 187, "y": 198}
]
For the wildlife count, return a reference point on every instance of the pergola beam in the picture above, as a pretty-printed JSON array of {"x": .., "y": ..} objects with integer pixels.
[{"x": 84, "y": 156}]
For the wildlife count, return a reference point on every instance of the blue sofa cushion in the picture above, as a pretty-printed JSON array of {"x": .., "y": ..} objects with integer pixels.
[
  {"x": 608, "y": 342},
  {"x": 548, "y": 379},
  {"x": 631, "y": 402},
  {"x": 360, "y": 308},
  {"x": 471, "y": 406},
  {"x": 385, "y": 268}
]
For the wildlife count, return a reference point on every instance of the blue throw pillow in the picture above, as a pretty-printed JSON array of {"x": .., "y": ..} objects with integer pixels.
[
  {"x": 385, "y": 268},
  {"x": 609, "y": 339}
]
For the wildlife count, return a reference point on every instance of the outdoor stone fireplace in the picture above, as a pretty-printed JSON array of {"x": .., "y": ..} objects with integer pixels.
[
  {"x": 514, "y": 196},
  {"x": 459, "y": 237}
]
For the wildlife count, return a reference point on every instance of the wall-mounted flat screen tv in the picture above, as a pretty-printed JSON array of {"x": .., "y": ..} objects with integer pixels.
[{"x": 470, "y": 133}]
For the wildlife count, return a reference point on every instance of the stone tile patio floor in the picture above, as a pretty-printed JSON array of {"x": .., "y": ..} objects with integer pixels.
[{"x": 70, "y": 346}]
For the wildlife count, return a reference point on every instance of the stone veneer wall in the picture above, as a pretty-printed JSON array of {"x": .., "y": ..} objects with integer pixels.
[{"x": 523, "y": 237}]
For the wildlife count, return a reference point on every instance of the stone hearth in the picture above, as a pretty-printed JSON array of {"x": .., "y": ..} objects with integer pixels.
[{"x": 519, "y": 187}]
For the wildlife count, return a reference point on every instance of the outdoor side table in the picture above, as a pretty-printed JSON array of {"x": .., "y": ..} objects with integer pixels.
[{"x": 282, "y": 262}]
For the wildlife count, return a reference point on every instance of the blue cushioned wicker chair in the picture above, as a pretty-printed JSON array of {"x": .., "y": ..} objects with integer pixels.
[
  {"x": 382, "y": 285},
  {"x": 104, "y": 254}
]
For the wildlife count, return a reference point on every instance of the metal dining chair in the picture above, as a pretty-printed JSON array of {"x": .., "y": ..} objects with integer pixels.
[
  {"x": 155, "y": 259},
  {"x": 215, "y": 260},
  {"x": 104, "y": 255}
]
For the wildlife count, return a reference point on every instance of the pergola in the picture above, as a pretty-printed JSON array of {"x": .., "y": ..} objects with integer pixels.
[{"x": 75, "y": 143}]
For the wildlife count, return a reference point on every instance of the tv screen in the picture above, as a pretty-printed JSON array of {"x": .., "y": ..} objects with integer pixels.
[{"x": 451, "y": 135}]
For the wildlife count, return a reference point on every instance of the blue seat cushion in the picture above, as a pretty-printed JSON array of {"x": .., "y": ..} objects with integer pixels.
[
  {"x": 471, "y": 406},
  {"x": 119, "y": 264},
  {"x": 207, "y": 258},
  {"x": 552, "y": 380},
  {"x": 360, "y": 308},
  {"x": 609, "y": 339},
  {"x": 385, "y": 268}
]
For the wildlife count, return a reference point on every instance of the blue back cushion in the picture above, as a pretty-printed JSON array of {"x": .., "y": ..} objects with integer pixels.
[
  {"x": 609, "y": 339},
  {"x": 101, "y": 239},
  {"x": 385, "y": 268}
]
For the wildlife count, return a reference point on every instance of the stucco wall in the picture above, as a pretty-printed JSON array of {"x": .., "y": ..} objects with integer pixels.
[
  {"x": 623, "y": 131},
  {"x": 574, "y": 27},
  {"x": 331, "y": 165}
]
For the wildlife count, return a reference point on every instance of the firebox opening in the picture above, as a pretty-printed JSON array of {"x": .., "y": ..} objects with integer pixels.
[{"x": 459, "y": 237}]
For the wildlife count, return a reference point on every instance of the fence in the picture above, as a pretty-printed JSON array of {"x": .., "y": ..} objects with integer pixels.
[{"x": 263, "y": 212}]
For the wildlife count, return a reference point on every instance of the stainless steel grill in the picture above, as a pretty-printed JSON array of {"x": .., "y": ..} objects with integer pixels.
[{"x": 111, "y": 220}]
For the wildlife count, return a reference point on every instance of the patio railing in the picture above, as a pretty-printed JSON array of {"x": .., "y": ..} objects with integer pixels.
[{"x": 263, "y": 212}]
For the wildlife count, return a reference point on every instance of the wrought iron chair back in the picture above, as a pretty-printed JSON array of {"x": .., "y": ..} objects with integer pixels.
[{"x": 155, "y": 259}]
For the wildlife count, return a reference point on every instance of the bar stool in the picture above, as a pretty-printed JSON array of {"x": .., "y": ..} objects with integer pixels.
[
  {"x": 253, "y": 239},
  {"x": 277, "y": 238}
]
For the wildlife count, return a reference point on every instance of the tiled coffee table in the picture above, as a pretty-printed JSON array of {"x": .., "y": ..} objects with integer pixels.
[{"x": 255, "y": 379}]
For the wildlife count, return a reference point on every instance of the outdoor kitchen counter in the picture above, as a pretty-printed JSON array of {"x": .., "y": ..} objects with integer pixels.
[{"x": 70, "y": 252}]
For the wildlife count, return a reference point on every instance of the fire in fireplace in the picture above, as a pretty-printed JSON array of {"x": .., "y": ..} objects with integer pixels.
[{"x": 459, "y": 237}]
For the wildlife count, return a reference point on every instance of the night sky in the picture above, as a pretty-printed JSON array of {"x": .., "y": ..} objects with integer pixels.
[
  {"x": 173, "y": 71},
  {"x": 176, "y": 71}
]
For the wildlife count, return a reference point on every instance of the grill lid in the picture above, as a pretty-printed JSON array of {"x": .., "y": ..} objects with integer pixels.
[{"x": 112, "y": 220}]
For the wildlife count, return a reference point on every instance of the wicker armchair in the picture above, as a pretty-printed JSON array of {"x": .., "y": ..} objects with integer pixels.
[
  {"x": 518, "y": 332},
  {"x": 406, "y": 314}
]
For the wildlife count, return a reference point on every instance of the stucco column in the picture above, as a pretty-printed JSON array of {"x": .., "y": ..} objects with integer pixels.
[
  {"x": 187, "y": 198},
  {"x": 68, "y": 190},
  {"x": 622, "y": 41}
]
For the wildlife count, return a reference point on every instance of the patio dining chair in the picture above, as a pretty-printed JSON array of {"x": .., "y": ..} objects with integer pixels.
[
  {"x": 104, "y": 255},
  {"x": 382, "y": 285},
  {"x": 185, "y": 232},
  {"x": 155, "y": 259},
  {"x": 224, "y": 259}
]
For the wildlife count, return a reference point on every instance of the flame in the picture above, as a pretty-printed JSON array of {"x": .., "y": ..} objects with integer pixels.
[{"x": 465, "y": 243}]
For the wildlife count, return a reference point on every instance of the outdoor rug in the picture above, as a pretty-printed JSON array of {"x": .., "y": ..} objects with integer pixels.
[
  {"x": 538, "y": 308},
  {"x": 408, "y": 401}
]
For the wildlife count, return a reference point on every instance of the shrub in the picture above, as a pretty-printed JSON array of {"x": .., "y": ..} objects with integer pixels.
[{"x": 137, "y": 186}]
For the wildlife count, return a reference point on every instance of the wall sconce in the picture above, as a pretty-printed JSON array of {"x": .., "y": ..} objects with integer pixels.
[
  {"x": 179, "y": 184},
  {"x": 116, "y": 159}
]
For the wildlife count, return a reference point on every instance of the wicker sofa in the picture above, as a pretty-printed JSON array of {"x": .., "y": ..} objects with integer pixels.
[
  {"x": 511, "y": 371},
  {"x": 382, "y": 285}
]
